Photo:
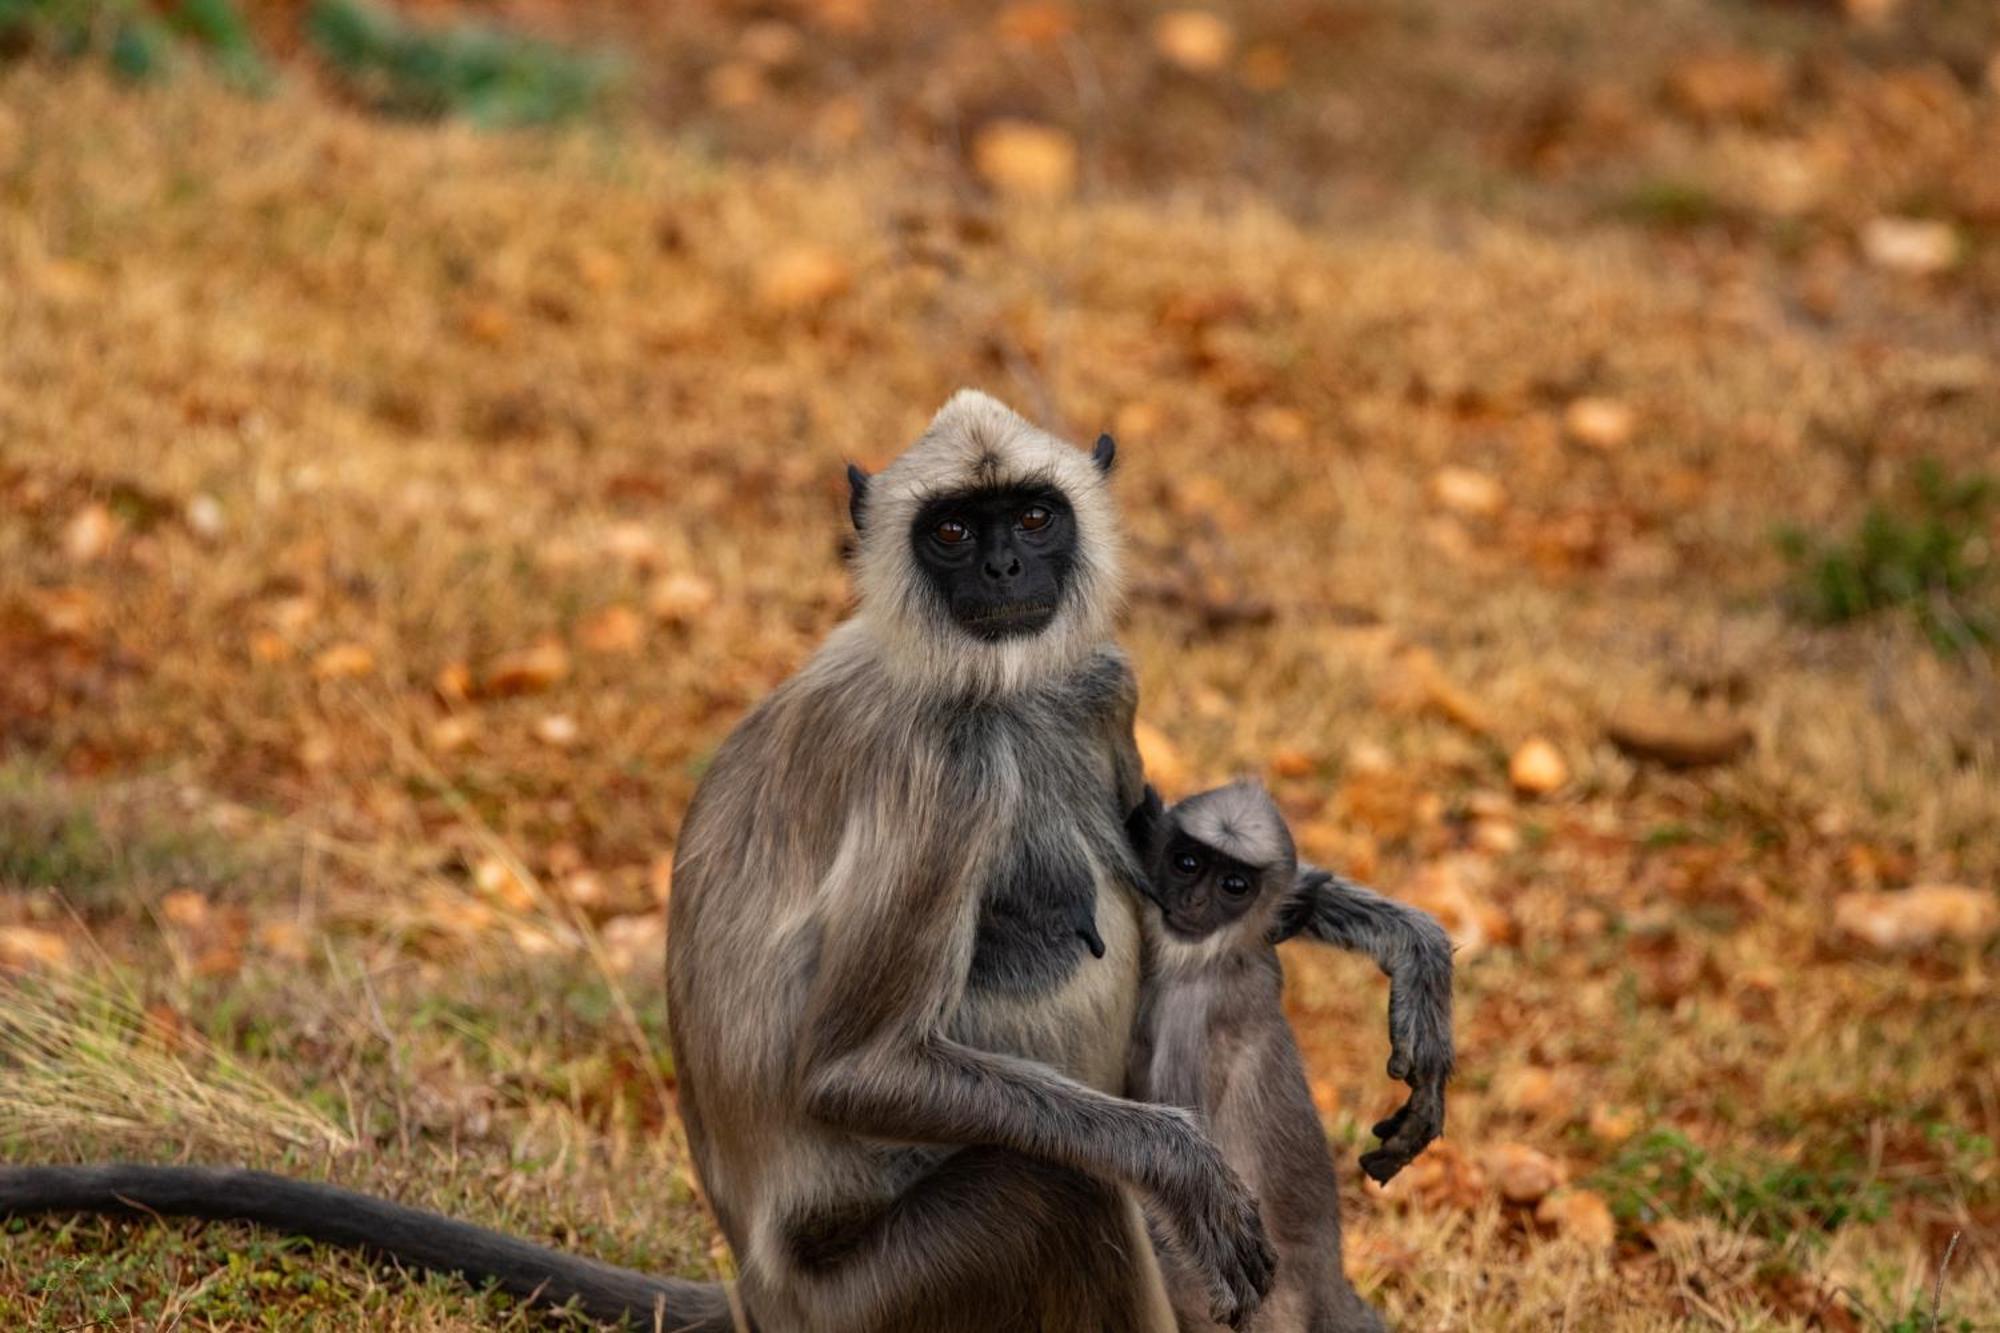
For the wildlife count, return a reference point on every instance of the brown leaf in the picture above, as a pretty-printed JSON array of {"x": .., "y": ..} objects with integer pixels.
[
  {"x": 1917, "y": 247},
  {"x": 1601, "y": 423},
  {"x": 1194, "y": 39},
  {"x": 25, "y": 946},
  {"x": 1537, "y": 768},
  {"x": 1026, "y": 160},
  {"x": 529, "y": 671},
  {"x": 1676, "y": 736},
  {"x": 679, "y": 599},
  {"x": 343, "y": 661},
  {"x": 802, "y": 277},
  {"x": 1729, "y": 85},
  {"x": 1914, "y": 917},
  {"x": 1580, "y": 1215},
  {"x": 1464, "y": 491},
  {"x": 90, "y": 533},
  {"x": 614, "y": 630},
  {"x": 1523, "y": 1174}
]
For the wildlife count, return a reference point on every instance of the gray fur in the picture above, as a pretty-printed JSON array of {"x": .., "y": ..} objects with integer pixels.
[
  {"x": 1213, "y": 1038},
  {"x": 899, "y": 1062}
]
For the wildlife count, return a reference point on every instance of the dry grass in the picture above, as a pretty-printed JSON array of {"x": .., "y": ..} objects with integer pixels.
[{"x": 304, "y": 414}]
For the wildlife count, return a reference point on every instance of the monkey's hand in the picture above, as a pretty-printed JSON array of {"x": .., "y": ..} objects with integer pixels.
[
  {"x": 1409, "y": 1131},
  {"x": 1211, "y": 1219}
]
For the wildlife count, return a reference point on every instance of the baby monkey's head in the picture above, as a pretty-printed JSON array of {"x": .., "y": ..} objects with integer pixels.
[{"x": 1220, "y": 864}]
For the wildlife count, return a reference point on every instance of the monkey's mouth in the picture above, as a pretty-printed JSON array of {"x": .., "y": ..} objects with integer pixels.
[{"x": 1006, "y": 619}]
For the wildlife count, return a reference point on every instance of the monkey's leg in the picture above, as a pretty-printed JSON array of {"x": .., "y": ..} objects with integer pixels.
[
  {"x": 989, "y": 1242},
  {"x": 359, "y": 1221}
]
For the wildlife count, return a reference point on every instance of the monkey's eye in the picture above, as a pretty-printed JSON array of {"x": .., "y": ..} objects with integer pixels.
[
  {"x": 1186, "y": 864},
  {"x": 951, "y": 532},
  {"x": 1235, "y": 885},
  {"x": 1035, "y": 519}
]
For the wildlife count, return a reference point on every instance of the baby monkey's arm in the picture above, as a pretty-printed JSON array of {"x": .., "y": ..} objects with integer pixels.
[{"x": 1412, "y": 949}]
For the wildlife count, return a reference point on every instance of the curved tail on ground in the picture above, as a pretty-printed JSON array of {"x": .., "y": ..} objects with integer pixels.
[{"x": 342, "y": 1217}]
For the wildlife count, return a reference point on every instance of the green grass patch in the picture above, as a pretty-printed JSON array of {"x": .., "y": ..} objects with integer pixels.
[
  {"x": 1666, "y": 1174},
  {"x": 139, "y": 41},
  {"x": 97, "y": 847},
  {"x": 486, "y": 74},
  {"x": 1929, "y": 556}
]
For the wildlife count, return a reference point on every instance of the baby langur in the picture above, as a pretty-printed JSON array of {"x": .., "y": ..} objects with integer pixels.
[{"x": 1212, "y": 1036}]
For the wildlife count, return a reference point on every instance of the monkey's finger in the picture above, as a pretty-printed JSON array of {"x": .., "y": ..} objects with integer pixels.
[{"x": 1386, "y": 1129}]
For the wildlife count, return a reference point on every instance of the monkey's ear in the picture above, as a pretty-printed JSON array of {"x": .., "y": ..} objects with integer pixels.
[
  {"x": 1105, "y": 453},
  {"x": 857, "y": 496}
]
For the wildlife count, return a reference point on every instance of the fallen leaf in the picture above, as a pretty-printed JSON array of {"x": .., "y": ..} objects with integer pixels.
[
  {"x": 1441, "y": 1177},
  {"x": 1580, "y": 1215},
  {"x": 802, "y": 277},
  {"x": 1676, "y": 736},
  {"x": 1537, "y": 768},
  {"x": 1194, "y": 39},
  {"x": 1464, "y": 491},
  {"x": 1614, "y": 1124},
  {"x": 558, "y": 729},
  {"x": 1523, "y": 1174},
  {"x": 72, "y": 613},
  {"x": 1035, "y": 23},
  {"x": 1601, "y": 423},
  {"x": 1288, "y": 762},
  {"x": 1917, "y": 247},
  {"x": 1530, "y": 1090},
  {"x": 680, "y": 598},
  {"x": 1266, "y": 67},
  {"x": 614, "y": 630},
  {"x": 23, "y": 946},
  {"x": 1914, "y": 917},
  {"x": 284, "y": 940},
  {"x": 449, "y": 735},
  {"x": 488, "y": 322},
  {"x": 1026, "y": 160},
  {"x": 1450, "y": 890},
  {"x": 343, "y": 661},
  {"x": 529, "y": 671},
  {"x": 204, "y": 517},
  {"x": 632, "y": 943},
  {"x": 185, "y": 908},
  {"x": 1729, "y": 85},
  {"x": 90, "y": 533},
  {"x": 496, "y": 879}
]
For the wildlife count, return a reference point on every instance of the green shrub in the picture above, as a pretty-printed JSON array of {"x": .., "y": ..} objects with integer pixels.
[
  {"x": 490, "y": 76},
  {"x": 137, "y": 40},
  {"x": 1665, "y": 1174},
  {"x": 1931, "y": 557}
]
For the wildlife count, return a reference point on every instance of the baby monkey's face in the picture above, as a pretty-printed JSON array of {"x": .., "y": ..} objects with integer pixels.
[{"x": 1201, "y": 890}]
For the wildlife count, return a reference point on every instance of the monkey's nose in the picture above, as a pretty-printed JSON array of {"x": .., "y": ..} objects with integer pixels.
[{"x": 1003, "y": 567}]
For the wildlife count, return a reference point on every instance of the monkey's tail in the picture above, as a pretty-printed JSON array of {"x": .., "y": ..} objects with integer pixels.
[{"x": 360, "y": 1221}]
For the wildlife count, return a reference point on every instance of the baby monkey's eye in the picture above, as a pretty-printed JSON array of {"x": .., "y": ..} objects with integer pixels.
[
  {"x": 1035, "y": 519},
  {"x": 1235, "y": 885},
  {"x": 1186, "y": 864},
  {"x": 951, "y": 532}
]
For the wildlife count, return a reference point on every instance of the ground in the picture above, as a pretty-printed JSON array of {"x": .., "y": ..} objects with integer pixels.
[{"x": 394, "y": 516}]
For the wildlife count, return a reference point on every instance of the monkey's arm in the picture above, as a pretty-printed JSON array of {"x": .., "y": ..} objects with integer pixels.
[
  {"x": 876, "y": 1060},
  {"x": 1412, "y": 949}
]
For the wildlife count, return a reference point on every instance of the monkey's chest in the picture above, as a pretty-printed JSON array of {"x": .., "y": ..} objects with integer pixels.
[
  {"x": 1038, "y": 987},
  {"x": 1037, "y": 921}
]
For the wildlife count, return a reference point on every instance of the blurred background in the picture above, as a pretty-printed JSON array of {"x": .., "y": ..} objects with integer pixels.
[{"x": 1559, "y": 445}]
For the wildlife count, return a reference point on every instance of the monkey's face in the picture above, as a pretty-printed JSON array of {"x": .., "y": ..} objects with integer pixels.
[
  {"x": 1201, "y": 890},
  {"x": 998, "y": 560}
]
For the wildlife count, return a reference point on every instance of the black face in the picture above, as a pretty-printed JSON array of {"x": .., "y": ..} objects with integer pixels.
[
  {"x": 1200, "y": 890},
  {"x": 999, "y": 560}
]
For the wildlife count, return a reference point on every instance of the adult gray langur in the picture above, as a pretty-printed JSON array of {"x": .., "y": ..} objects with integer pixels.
[
  {"x": 903, "y": 965},
  {"x": 904, "y": 951}
]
